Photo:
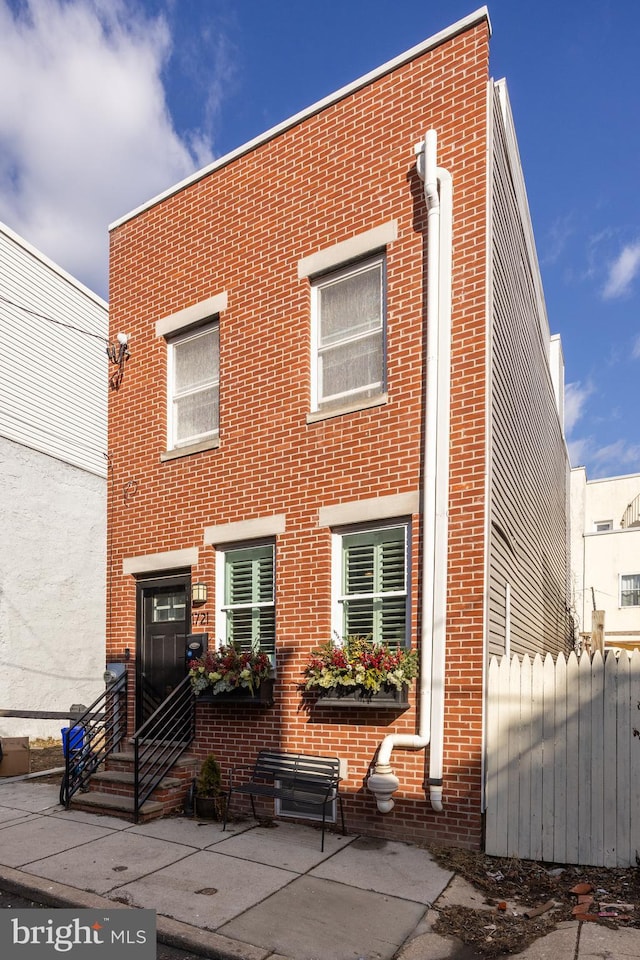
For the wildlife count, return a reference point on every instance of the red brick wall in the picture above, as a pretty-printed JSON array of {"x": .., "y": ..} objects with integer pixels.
[{"x": 243, "y": 229}]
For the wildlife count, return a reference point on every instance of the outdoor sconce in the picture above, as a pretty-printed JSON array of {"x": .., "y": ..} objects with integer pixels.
[{"x": 198, "y": 593}]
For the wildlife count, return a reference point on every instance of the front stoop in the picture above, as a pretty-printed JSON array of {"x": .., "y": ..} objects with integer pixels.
[{"x": 111, "y": 790}]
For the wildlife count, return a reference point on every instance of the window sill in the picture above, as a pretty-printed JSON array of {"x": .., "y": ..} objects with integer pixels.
[
  {"x": 178, "y": 452},
  {"x": 364, "y": 404}
]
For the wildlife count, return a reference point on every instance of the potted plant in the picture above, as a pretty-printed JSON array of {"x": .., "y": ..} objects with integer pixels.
[
  {"x": 209, "y": 797},
  {"x": 230, "y": 672},
  {"x": 356, "y": 670}
]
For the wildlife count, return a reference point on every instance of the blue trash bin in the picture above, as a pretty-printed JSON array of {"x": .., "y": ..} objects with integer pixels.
[{"x": 72, "y": 739}]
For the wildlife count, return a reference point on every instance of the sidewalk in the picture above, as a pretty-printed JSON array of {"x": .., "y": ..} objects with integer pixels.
[{"x": 252, "y": 892}]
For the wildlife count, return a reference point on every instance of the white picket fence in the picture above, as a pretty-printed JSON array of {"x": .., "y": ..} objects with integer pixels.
[{"x": 563, "y": 765}]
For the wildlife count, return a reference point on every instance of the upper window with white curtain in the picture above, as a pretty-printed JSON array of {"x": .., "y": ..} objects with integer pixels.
[
  {"x": 630, "y": 590},
  {"x": 348, "y": 311},
  {"x": 193, "y": 368}
]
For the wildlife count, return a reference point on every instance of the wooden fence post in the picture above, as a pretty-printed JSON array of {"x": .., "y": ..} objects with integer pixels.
[{"x": 597, "y": 631}]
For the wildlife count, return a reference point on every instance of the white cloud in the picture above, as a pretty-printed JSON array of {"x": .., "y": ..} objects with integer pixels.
[
  {"x": 85, "y": 133},
  {"x": 579, "y": 451},
  {"x": 557, "y": 238},
  {"x": 622, "y": 272},
  {"x": 611, "y": 460},
  {"x": 635, "y": 349},
  {"x": 575, "y": 398}
]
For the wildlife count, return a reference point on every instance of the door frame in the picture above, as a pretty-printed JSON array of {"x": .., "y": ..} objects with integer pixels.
[{"x": 173, "y": 578}]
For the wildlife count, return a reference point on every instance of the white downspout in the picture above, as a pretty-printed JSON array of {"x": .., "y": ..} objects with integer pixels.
[
  {"x": 382, "y": 782},
  {"x": 441, "y": 515}
]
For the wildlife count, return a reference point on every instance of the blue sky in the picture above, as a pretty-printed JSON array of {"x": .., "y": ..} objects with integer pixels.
[{"x": 105, "y": 103}]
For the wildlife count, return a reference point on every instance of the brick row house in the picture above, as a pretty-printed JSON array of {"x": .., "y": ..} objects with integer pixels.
[{"x": 340, "y": 361}]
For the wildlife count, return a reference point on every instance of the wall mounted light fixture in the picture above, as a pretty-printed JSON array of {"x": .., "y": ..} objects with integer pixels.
[
  {"x": 198, "y": 593},
  {"x": 118, "y": 354}
]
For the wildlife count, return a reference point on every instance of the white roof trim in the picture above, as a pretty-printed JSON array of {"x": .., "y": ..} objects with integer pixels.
[
  {"x": 434, "y": 41},
  {"x": 56, "y": 268}
]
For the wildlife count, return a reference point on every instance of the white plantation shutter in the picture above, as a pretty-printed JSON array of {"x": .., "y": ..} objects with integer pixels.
[
  {"x": 350, "y": 308},
  {"x": 249, "y": 597},
  {"x": 374, "y": 590}
]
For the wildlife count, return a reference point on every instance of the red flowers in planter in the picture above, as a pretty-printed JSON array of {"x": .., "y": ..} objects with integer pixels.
[
  {"x": 357, "y": 662},
  {"x": 228, "y": 668}
]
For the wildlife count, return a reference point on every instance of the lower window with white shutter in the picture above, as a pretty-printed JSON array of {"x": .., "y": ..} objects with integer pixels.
[
  {"x": 246, "y": 611},
  {"x": 371, "y": 584}
]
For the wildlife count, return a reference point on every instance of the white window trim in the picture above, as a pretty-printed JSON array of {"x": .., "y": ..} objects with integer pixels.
[
  {"x": 194, "y": 314},
  {"x": 391, "y": 507},
  {"x": 196, "y": 442},
  {"x": 355, "y": 399},
  {"x": 336, "y": 571},
  {"x": 339, "y": 254},
  {"x": 168, "y": 560},
  {"x": 256, "y": 529}
]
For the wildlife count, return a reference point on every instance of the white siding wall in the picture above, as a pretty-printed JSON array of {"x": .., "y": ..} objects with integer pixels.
[
  {"x": 529, "y": 526},
  {"x": 52, "y": 587},
  {"x": 53, "y": 380}
]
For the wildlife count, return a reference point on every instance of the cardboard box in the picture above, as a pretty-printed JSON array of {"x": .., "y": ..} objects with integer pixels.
[{"x": 15, "y": 756}]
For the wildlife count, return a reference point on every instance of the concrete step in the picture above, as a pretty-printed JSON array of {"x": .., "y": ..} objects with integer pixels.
[
  {"x": 126, "y": 758},
  {"x": 116, "y": 806},
  {"x": 111, "y": 788},
  {"x": 128, "y": 778}
]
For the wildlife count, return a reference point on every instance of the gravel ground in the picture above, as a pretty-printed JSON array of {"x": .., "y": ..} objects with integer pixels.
[{"x": 514, "y": 888}]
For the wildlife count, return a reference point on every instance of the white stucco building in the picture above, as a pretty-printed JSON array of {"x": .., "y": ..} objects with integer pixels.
[
  {"x": 53, "y": 468},
  {"x": 605, "y": 554}
]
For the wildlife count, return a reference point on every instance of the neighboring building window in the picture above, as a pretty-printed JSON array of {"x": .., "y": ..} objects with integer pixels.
[
  {"x": 630, "y": 590},
  {"x": 193, "y": 385},
  {"x": 372, "y": 597},
  {"x": 348, "y": 308},
  {"x": 246, "y": 579},
  {"x": 602, "y": 526}
]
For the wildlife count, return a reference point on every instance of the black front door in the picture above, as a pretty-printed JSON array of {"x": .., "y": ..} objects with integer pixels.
[{"x": 163, "y": 624}]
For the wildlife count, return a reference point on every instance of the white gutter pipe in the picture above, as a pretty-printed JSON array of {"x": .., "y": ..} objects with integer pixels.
[{"x": 382, "y": 782}]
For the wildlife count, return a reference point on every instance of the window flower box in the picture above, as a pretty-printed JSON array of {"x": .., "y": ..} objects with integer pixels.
[
  {"x": 386, "y": 698},
  {"x": 230, "y": 674},
  {"x": 359, "y": 672},
  {"x": 261, "y": 696}
]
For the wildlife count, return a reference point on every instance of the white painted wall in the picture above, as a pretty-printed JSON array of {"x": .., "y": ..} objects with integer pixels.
[
  {"x": 52, "y": 587},
  {"x": 599, "y": 559}
]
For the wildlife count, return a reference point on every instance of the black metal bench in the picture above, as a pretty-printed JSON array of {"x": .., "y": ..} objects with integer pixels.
[{"x": 309, "y": 781}]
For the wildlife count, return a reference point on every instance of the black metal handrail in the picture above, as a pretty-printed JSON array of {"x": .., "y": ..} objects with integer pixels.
[
  {"x": 161, "y": 740},
  {"x": 94, "y": 735}
]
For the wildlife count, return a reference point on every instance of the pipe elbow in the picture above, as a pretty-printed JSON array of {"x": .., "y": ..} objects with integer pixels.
[
  {"x": 435, "y": 796},
  {"x": 383, "y": 785}
]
